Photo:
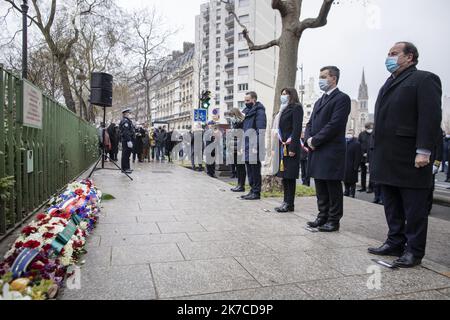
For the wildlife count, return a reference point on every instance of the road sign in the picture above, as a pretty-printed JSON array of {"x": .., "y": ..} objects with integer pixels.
[{"x": 200, "y": 115}]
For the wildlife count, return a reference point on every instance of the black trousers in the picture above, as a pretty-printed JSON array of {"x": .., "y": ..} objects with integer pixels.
[
  {"x": 407, "y": 218},
  {"x": 254, "y": 177},
  {"x": 350, "y": 189},
  {"x": 330, "y": 200},
  {"x": 211, "y": 169},
  {"x": 377, "y": 192},
  {"x": 304, "y": 168},
  {"x": 241, "y": 174},
  {"x": 126, "y": 153},
  {"x": 364, "y": 177},
  {"x": 289, "y": 188}
]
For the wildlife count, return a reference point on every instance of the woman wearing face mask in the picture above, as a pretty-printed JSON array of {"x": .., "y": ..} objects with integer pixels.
[{"x": 288, "y": 129}]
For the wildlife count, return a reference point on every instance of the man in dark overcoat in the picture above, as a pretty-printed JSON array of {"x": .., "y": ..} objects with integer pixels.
[
  {"x": 408, "y": 117},
  {"x": 325, "y": 135}
]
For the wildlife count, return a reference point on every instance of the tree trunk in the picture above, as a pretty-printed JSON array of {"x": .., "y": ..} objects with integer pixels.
[
  {"x": 65, "y": 82},
  {"x": 287, "y": 74}
]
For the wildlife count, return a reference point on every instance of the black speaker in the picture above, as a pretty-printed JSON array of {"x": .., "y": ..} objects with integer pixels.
[{"x": 101, "y": 89}]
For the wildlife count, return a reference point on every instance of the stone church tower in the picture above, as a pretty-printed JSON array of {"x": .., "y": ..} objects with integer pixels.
[{"x": 359, "y": 115}]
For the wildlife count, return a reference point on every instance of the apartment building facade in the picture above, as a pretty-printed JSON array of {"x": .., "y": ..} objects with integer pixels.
[
  {"x": 224, "y": 65},
  {"x": 174, "y": 94}
]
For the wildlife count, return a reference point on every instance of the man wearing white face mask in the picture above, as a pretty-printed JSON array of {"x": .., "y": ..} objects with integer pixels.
[{"x": 408, "y": 116}]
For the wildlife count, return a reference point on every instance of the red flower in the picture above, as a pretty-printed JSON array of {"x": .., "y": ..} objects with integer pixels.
[
  {"x": 47, "y": 247},
  {"x": 56, "y": 214},
  {"x": 41, "y": 216},
  {"x": 77, "y": 244},
  {"x": 79, "y": 192},
  {"x": 48, "y": 235},
  {"x": 19, "y": 244},
  {"x": 37, "y": 266},
  {"x": 29, "y": 230},
  {"x": 32, "y": 244}
]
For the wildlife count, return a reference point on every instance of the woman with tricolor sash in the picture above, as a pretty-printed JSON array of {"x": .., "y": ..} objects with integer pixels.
[{"x": 288, "y": 129}]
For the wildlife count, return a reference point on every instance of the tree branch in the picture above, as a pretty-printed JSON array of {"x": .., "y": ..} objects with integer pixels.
[
  {"x": 250, "y": 43},
  {"x": 321, "y": 19},
  {"x": 280, "y": 6}
]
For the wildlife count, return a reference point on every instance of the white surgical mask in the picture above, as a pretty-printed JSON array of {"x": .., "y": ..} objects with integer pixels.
[{"x": 324, "y": 85}]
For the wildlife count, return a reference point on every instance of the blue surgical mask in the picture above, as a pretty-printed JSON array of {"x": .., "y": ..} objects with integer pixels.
[
  {"x": 392, "y": 64},
  {"x": 284, "y": 99},
  {"x": 324, "y": 85}
]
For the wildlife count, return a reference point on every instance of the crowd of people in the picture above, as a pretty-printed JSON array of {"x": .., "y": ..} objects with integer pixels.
[{"x": 402, "y": 150}]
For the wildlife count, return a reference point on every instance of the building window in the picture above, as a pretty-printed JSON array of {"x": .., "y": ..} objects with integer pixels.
[
  {"x": 243, "y": 87},
  {"x": 244, "y": 3},
  {"x": 241, "y": 105},
  {"x": 243, "y": 53},
  {"x": 244, "y": 18},
  {"x": 241, "y": 36},
  {"x": 243, "y": 71}
]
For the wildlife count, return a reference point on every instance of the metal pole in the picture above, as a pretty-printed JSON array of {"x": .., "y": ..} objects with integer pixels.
[
  {"x": 24, "y": 7},
  {"x": 103, "y": 134},
  {"x": 303, "y": 84}
]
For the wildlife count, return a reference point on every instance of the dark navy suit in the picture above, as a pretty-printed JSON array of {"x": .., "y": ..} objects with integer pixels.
[{"x": 327, "y": 161}]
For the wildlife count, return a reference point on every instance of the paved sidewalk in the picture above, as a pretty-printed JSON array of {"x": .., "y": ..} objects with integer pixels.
[{"x": 177, "y": 234}]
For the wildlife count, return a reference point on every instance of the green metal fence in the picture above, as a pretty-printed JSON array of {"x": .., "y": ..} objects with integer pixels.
[{"x": 64, "y": 148}]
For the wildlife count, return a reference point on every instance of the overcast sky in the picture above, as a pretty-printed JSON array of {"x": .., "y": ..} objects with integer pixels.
[{"x": 355, "y": 37}]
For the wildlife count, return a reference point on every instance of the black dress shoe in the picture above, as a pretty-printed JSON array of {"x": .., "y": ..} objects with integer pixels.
[
  {"x": 386, "y": 250},
  {"x": 246, "y": 195},
  {"x": 253, "y": 196},
  {"x": 407, "y": 261},
  {"x": 318, "y": 223},
  {"x": 362, "y": 190},
  {"x": 329, "y": 227},
  {"x": 238, "y": 189},
  {"x": 369, "y": 191},
  {"x": 285, "y": 208}
]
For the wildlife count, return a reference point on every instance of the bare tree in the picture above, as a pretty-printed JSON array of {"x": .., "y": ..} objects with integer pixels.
[
  {"x": 292, "y": 29},
  {"x": 147, "y": 44},
  {"x": 60, "y": 32}
]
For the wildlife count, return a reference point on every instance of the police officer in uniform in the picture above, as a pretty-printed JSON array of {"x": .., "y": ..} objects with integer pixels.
[{"x": 127, "y": 131}]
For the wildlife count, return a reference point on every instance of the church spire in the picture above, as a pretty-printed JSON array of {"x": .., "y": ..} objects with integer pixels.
[{"x": 363, "y": 89}]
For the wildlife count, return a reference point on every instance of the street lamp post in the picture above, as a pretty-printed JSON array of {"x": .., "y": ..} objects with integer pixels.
[
  {"x": 81, "y": 77},
  {"x": 302, "y": 85},
  {"x": 24, "y": 8}
]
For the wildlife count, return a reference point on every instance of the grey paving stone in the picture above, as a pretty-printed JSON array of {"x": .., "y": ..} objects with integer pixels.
[
  {"x": 114, "y": 283},
  {"x": 349, "y": 261},
  {"x": 392, "y": 283},
  {"x": 272, "y": 270},
  {"x": 219, "y": 249},
  {"x": 119, "y": 219},
  {"x": 286, "y": 292},
  {"x": 154, "y": 206},
  {"x": 178, "y": 279},
  {"x": 177, "y": 227},
  {"x": 155, "y": 218},
  {"x": 287, "y": 244},
  {"x": 425, "y": 295},
  {"x": 445, "y": 292},
  {"x": 122, "y": 256},
  {"x": 124, "y": 240},
  {"x": 97, "y": 256},
  {"x": 210, "y": 236},
  {"x": 127, "y": 229},
  {"x": 334, "y": 240}
]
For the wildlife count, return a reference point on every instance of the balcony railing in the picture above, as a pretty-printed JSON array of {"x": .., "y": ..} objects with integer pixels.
[
  {"x": 229, "y": 21},
  {"x": 229, "y": 51},
  {"x": 229, "y": 83},
  {"x": 229, "y": 35},
  {"x": 229, "y": 66},
  {"x": 229, "y": 98}
]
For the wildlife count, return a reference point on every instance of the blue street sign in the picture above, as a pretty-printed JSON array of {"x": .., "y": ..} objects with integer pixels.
[{"x": 200, "y": 115}]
